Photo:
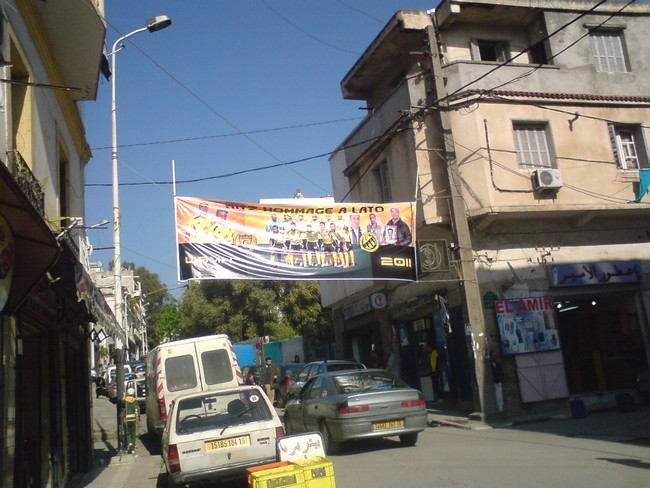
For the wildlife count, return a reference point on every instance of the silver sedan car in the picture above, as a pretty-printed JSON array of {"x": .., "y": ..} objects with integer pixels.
[{"x": 359, "y": 404}]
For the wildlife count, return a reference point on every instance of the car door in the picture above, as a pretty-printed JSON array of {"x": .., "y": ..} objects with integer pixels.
[{"x": 311, "y": 403}]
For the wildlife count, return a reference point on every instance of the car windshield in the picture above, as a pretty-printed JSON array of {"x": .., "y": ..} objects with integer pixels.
[
  {"x": 220, "y": 410},
  {"x": 356, "y": 382}
]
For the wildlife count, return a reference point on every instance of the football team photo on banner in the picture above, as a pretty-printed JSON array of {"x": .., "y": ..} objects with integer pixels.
[{"x": 234, "y": 240}]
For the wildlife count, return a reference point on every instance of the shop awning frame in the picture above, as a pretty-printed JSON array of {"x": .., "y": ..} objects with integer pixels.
[{"x": 36, "y": 248}]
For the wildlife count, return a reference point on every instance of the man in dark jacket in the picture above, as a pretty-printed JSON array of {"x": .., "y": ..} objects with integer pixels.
[{"x": 269, "y": 377}]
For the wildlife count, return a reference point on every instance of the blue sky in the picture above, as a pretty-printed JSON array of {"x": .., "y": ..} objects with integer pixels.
[{"x": 232, "y": 85}]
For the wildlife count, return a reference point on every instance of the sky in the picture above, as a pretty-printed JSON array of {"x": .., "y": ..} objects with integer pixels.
[{"x": 230, "y": 86}]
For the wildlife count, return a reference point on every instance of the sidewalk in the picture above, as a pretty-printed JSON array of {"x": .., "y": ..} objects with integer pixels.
[{"x": 603, "y": 420}]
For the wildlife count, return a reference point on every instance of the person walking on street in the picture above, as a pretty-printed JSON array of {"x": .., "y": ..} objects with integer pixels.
[
  {"x": 132, "y": 417},
  {"x": 269, "y": 377}
]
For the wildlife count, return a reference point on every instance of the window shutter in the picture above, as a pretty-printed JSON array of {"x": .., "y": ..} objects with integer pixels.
[{"x": 616, "y": 148}]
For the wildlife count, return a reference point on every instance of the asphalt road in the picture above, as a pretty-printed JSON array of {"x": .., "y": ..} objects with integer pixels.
[{"x": 606, "y": 449}]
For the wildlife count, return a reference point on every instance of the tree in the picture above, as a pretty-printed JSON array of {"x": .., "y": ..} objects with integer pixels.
[
  {"x": 245, "y": 309},
  {"x": 157, "y": 301}
]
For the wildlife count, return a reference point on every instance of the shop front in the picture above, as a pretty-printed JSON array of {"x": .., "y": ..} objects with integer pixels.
[
  {"x": 364, "y": 330},
  {"x": 433, "y": 348},
  {"x": 585, "y": 336}
]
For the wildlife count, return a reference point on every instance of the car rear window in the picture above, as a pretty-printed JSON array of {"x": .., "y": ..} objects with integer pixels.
[
  {"x": 362, "y": 381},
  {"x": 180, "y": 373},
  {"x": 343, "y": 367},
  {"x": 216, "y": 367},
  {"x": 220, "y": 410}
]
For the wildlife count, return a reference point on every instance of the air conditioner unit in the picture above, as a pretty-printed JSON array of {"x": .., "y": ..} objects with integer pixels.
[{"x": 547, "y": 179}]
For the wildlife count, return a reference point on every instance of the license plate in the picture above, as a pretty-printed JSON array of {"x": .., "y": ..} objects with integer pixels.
[
  {"x": 394, "y": 424},
  {"x": 243, "y": 440}
]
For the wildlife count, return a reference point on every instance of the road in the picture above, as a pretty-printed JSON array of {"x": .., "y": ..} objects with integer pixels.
[{"x": 607, "y": 449}]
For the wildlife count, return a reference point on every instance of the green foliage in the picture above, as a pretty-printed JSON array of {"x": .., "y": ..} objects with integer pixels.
[{"x": 245, "y": 309}]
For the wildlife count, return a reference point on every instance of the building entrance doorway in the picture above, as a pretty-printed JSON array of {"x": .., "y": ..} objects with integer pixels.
[{"x": 601, "y": 342}]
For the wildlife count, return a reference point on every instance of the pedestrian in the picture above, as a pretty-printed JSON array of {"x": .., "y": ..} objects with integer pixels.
[
  {"x": 376, "y": 360},
  {"x": 132, "y": 417},
  {"x": 100, "y": 388},
  {"x": 392, "y": 363},
  {"x": 496, "y": 379},
  {"x": 269, "y": 377}
]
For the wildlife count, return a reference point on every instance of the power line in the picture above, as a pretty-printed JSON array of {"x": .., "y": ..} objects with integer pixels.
[
  {"x": 232, "y": 134},
  {"x": 203, "y": 102},
  {"x": 510, "y": 60}
]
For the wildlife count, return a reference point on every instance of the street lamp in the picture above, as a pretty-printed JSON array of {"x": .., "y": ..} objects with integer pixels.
[{"x": 153, "y": 25}]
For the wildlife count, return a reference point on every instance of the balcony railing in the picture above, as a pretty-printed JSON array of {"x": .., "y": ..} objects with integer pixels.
[{"x": 27, "y": 182}]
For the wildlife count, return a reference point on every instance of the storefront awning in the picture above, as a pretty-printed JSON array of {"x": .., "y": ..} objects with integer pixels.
[{"x": 36, "y": 248}]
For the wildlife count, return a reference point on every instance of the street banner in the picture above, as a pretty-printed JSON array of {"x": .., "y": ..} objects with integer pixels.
[{"x": 292, "y": 241}]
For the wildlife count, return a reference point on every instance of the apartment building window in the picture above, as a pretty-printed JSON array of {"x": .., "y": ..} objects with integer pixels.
[
  {"x": 608, "y": 49},
  {"x": 531, "y": 145},
  {"x": 382, "y": 183},
  {"x": 628, "y": 146},
  {"x": 485, "y": 50}
]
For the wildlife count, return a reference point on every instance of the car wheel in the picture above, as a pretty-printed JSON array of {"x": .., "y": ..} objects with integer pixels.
[
  {"x": 330, "y": 445},
  {"x": 409, "y": 439}
]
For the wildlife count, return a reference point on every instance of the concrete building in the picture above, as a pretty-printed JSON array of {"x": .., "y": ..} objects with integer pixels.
[
  {"x": 134, "y": 313},
  {"x": 50, "y": 58},
  {"x": 521, "y": 131}
]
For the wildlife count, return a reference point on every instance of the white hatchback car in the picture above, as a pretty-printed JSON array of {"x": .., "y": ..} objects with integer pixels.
[{"x": 217, "y": 435}]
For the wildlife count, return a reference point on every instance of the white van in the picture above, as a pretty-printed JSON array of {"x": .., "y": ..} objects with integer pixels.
[{"x": 187, "y": 366}]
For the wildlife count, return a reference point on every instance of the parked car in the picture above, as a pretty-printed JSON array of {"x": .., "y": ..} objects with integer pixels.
[
  {"x": 112, "y": 386},
  {"x": 359, "y": 404},
  {"x": 317, "y": 367},
  {"x": 288, "y": 373},
  {"x": 216, "y": 435},
  {"x": 139, "y": 368}
]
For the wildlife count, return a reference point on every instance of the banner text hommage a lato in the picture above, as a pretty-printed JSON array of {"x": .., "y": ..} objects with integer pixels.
[{"x": 234, "y": 240}]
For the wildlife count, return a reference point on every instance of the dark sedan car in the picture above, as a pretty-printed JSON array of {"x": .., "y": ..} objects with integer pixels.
[
  {"x": 288, "y": 373},
  {"x": 317, "y": 367},
  {"x": 360, "y": 404}
]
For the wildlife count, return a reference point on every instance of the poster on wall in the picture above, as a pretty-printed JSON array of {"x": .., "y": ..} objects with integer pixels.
[
  {"x": 527, "y": 325},
  {"x": 292, "y": 241}
]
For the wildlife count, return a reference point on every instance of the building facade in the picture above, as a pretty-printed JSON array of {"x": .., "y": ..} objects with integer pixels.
[
  {"x": 520, "y": 129},
  {"x": 50, "y": 57}
]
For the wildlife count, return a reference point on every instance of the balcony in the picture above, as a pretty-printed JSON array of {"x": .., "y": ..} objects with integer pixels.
[{"x": 27, "y": 182}]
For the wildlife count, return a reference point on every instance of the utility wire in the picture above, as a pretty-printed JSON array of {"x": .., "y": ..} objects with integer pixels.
[
  {"x": 509, "y": 61},
  {"x": 203, "y": 102},
  {"x": 305, "y": 32},
  {"x": 233, "y": 134}
]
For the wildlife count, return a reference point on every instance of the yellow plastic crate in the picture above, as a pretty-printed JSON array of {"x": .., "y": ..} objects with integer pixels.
[
  {"x": 276, "y": 475},
  {"x": 318, "y": 472}
]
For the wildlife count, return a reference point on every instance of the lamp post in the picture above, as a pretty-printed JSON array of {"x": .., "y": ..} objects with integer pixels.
[{"x": 153, "y": 25}]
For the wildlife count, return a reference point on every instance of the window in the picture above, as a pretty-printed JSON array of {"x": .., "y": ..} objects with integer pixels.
[
  {"x": 180, "y": 373},
  {"x": 628, "y": 147},
  {"x": 382, "y": 183},
  {"x": 483, "y": 50},
  {"x": 216, "y": 367},
  {"x": 316, "y": 390},
  {"x": 608, "y": 50},
  {"x": 531, "y": 145}
]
